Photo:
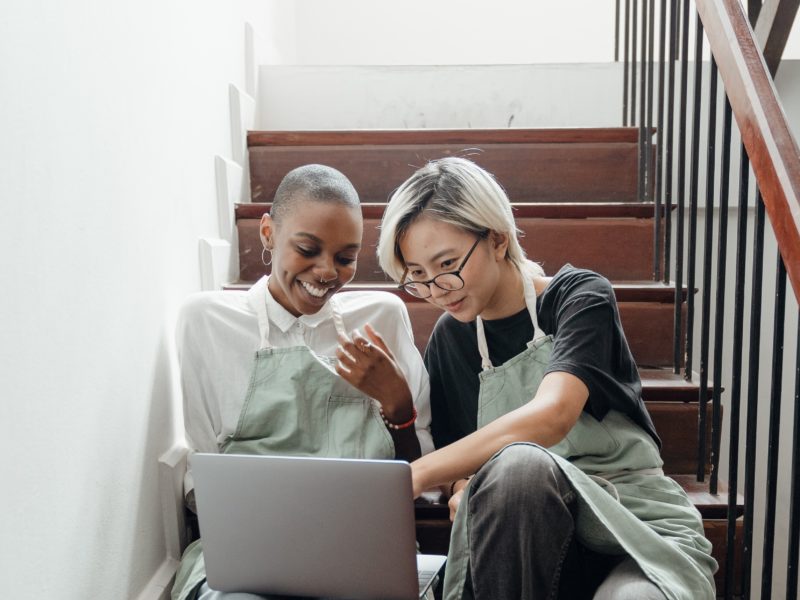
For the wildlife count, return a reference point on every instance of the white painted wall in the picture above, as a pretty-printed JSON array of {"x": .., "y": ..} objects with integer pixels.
[
  {"x": 448, "y": 96},
  {"x": 456, "y": 32},
  {"x": 111, "y": 116},
  {"x": 419, "y": 32}
]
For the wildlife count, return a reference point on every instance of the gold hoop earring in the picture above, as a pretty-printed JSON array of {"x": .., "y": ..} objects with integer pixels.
[{"x": 263, "y": 258}]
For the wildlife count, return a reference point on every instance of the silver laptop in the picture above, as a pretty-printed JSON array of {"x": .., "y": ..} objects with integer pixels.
[{"x": 310, "y": 527}]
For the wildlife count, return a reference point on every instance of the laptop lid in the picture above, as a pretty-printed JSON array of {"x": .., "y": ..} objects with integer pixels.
[{"x": 307, "y": 526}]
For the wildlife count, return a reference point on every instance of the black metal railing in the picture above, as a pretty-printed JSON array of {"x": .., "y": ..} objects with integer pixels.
[{"x": 656, "y": 65}]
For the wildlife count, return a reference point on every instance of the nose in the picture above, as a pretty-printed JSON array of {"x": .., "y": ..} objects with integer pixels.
[
  {"x": 436, "y": 291},
  {"x": 326, "y": 269}
]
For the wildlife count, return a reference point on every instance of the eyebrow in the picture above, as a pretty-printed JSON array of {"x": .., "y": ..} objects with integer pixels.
[
  {"x": 435, "y": 257},
  {"x": 314, "y": 238}
]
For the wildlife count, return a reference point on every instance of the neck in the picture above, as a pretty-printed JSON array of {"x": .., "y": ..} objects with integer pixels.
[{"x": 509, "y": 295}]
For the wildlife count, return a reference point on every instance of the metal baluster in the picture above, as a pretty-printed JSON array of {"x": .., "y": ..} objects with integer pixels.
[
  {"x": 643, "y": 142},
  {"x": 616, "y": 31},
  {"x": 673, "y": 49},
  {"x": 752, "y": 394},
  {"x": 794, "y": 502},
  {"x": 719, "y": 311},
  {"x": 659, "y": 173},
  {"x": 681, "y": 191},
  {"x": 634, "y": 20},
  {"x": 648, "y": 189},
  {"x": 625, "y": 64},
  {"x": 660, "y": 149},
  {"x": 753, "y": 10},
  {"x": 693, "y": 194},
  {"x": 736, "y": 371},
  {"x": 774, "y": 429},
  {"x": 705, "y": 318}
]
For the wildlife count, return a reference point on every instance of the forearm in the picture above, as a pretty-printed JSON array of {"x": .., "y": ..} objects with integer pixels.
[{"x": 406, "y": 444}]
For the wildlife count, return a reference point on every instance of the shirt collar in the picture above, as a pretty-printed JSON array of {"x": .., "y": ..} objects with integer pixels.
[{"x": 278, "y": 314}]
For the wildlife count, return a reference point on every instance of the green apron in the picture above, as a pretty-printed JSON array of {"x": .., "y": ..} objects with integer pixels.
[
  {"x": 296, "y": 405},
  {"x": 626, "y": 505}
]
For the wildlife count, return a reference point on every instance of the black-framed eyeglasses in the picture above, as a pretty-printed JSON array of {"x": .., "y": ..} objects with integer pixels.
[{"x": 449, "y": 281}]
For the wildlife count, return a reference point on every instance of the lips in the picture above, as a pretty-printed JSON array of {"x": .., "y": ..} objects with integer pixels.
[{"x": 453, "y": 306}]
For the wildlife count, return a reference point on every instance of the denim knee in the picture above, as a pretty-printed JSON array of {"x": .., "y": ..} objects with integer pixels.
[{"x": 523, "y": 473}]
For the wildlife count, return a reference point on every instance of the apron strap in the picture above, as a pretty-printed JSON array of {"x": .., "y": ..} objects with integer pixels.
[
  {"x": 530, "y": 303},
  {"x": 263, "y": 320},
  {"x": 483, "y": 347}
]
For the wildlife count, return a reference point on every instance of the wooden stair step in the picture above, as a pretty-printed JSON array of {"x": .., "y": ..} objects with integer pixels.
[
  {"x": 677, "y": 424},
  {"x": 665, "y": 386},
  {"x": 711, "y": 506},
  {"x": 386, "y": 137},
  {"x": 541, "y": 210},
  {"x": 547, "y": 165},
  {"x": 646, "y": 312},
  {"x": 580, "y": 234}
]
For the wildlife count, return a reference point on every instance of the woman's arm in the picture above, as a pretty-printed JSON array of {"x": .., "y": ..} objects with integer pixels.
[
  {"x": 369, "y": 366},
  {"x": 545, "y": 420}
]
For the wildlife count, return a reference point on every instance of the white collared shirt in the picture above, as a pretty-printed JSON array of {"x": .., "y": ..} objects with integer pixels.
[{"x": 218, "y": 336}]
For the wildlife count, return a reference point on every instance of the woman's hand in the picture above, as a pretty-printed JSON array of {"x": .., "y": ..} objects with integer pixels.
[
  {"x": 369, "y": 366},
  {"x": 454, "y": 502}
]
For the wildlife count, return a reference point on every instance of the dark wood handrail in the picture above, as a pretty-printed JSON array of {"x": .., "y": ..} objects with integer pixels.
[{"x": 772, "y": 149}]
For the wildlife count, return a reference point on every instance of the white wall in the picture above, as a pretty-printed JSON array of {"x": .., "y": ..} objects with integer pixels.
[
  {"x": 420, "y": 32},
  {"x": 448, "y": 96},
  {"x": 111, "y": 116}
]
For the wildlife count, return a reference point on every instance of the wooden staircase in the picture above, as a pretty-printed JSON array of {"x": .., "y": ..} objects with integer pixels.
[{"x": 574, "y": 193}]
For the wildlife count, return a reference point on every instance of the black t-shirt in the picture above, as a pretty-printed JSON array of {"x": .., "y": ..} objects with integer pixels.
[{"x": 579, "y": 309}]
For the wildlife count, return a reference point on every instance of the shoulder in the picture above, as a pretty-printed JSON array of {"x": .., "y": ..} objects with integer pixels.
[
  {"x": 208, "y": 314},
  {"x": 208, "y": 306},
  {"x": 570, "y": 283}
]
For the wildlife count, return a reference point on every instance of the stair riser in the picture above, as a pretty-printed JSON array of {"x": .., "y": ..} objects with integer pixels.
[
  {"x": 588, "y": 243},
  {"x": 677, "y": 424},
  {"x": 579, "y": 172},
  {"x": 647, "y": 325}
]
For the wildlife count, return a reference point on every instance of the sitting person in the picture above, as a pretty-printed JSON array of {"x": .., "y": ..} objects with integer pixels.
[
  {"x": 283, "y": 369},
  {"x": 545, "y": 447}
]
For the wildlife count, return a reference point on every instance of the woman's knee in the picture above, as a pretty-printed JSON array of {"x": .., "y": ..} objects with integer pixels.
[{"x": 523, "y": 472}]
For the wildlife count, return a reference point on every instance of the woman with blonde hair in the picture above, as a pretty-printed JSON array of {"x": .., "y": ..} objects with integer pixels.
[{"x": 545, "y": 447}]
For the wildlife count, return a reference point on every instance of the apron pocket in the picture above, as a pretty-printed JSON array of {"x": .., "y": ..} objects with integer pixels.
[
  {"x": 589, "y": 437},
  {"x": 355, "y": 430}
]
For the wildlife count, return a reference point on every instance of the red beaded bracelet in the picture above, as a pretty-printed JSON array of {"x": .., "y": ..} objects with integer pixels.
[{"x": 395, "y": 426}]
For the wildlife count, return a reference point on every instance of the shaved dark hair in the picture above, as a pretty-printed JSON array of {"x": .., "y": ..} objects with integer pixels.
[{"x": 312, "y": 182}]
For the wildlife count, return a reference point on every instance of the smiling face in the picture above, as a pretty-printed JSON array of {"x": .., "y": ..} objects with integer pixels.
[
  {"x": 430, "y": 247},
  {"x": 314, "y": 251}
]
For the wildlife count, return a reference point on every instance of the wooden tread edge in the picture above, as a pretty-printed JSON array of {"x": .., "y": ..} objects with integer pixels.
[
  {"x": 442, "y": 136},
  {"x": 534, "y": 210}
]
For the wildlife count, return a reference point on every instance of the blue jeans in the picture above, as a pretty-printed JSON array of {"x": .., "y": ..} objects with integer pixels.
[{"x": 522, "y": 513}]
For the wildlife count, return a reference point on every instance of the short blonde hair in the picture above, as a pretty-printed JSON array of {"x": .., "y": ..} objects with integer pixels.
[{"x": 454, "y": 191}]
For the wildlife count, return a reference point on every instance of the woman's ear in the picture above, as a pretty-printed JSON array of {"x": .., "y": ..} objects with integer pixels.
[
  {"x": 266, "y": 230},
  {"x": 498, "y": 242}
]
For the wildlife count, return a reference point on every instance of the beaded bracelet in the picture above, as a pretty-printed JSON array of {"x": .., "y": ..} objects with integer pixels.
[{"x": 399, "y": 426}]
